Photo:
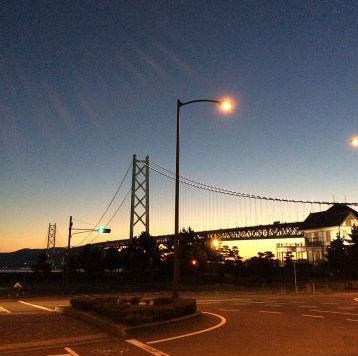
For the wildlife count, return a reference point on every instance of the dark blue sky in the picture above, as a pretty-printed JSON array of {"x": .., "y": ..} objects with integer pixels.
[{"x": 85, "y": 84}]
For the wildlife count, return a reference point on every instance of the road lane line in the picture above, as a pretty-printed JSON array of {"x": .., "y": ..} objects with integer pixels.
[
  {"x": 269, "y": 312},
  {"x": 333, "y": 312},
  {"x": 307, "y": 306},
  {"x": 230, "y": 310},
  {"x": 36, "y": 306},
  {"x": 222, "y": 322},
  {"x": 4, "y": 310},
  {"x": 313, "y": 316},
  {"x": 71, "y": 352},
  {"x": 209, "y": 301},
  {"x": 273, "y": 305},
  {"x": 352, "y": 320},
  {"x": 146, "y": 347}
]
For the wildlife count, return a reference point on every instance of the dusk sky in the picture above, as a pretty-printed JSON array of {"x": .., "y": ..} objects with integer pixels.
[{"x": 85, "y": 84}]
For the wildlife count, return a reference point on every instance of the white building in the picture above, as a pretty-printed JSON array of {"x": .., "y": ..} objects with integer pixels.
[{"x": 319, "y": 230}]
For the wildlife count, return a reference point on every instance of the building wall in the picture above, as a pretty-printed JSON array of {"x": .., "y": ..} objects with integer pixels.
[{"x": 317, "y": 240}]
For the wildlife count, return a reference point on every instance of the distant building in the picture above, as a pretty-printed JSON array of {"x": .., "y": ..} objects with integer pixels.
[{"x": 319, "y": 230}]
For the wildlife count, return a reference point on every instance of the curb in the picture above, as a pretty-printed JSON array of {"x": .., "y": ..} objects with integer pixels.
[{"x": 117, "y": 329}]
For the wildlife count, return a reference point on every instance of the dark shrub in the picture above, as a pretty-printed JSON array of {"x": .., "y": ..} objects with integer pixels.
[
  {"x": 162, "y": 301},
  {"x": 121, "y": 310}
]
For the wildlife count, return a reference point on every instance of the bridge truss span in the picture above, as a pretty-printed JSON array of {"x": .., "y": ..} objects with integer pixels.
[{"x": 260, "y": 232}]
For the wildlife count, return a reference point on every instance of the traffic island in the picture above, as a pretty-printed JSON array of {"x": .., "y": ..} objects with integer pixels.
[{"x": 125, "y": 317}]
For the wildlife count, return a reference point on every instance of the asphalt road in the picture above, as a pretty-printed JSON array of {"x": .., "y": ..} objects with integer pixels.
[{"x": 231, "y": 324}]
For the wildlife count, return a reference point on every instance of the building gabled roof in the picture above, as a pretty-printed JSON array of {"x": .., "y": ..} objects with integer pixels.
[{"x": 334, "y": 216}]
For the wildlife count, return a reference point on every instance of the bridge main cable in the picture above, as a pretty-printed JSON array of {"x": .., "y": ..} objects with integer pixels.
[{"x": 203, "y": 186}]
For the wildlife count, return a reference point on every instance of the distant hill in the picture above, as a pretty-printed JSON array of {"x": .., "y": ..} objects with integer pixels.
[{"x": 24, "y": 257}]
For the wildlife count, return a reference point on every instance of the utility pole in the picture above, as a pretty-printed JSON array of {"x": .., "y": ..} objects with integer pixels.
[
  {"x": 68, "y": 256},
  {"x": 67, "y": 266}
]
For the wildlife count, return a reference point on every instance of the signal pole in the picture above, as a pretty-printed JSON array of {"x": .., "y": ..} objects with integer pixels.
[{"x": 67, "y": 265}]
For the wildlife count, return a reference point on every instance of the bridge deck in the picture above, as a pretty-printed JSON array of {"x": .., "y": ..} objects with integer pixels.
[{"x": 260, "y": 232}]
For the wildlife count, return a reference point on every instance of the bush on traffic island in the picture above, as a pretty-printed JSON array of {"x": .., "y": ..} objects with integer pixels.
[{"x": 135, "y": 311}]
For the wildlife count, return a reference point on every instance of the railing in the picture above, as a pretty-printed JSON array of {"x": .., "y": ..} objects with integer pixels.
[{"x": 314, "y": 243}]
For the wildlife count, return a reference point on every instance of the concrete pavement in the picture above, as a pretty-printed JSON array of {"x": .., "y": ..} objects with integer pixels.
[{"x": 234, "y": 324}]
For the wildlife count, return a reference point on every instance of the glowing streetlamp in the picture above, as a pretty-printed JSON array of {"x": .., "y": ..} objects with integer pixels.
[
  {"x": 354, "y": 141},
  {"x": 226, "y": 106},
  {"x": 215, "y": 243}
]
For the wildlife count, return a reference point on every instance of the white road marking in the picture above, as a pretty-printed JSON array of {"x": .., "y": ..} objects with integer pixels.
[
  {"x": 222, "y": 322},
  {"x": 2, "y": 309},
  {"x": 270, "y": 312},
  {"x": 36, "y": 306},
  {"x": 146, "y": 347},
  {"x": 71, "y": 352},
  {"x": 307, "y": 306},
  {"x": 273, "y": 305},
  {"x": 346, "y": 308},
  {"x": 352, "y": 320},
  {"x": 333, "y": 312},
  {"x": 209, "y": 301},
  {"x": 230, "y": 310},
  {"x": 313, "y": 316}
]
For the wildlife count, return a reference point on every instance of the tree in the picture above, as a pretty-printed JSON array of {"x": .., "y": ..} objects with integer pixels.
[
  {"x": 336, "y": 255},
  {"x": 112, "y": 259},
  {"x": 91, "y": 259},
  {"x": 140, "y": 257},
  {"x": 42, "y": 267},
  {"x": 263, "y": 267},
  {"x": 352, "y": 253}
]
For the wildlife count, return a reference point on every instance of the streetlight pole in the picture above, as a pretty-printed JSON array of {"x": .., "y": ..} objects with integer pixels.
[
  {"x": 176, "y": 271},
  {"x": 226, "y": 106},
  {"x": 66, "y": 269}
]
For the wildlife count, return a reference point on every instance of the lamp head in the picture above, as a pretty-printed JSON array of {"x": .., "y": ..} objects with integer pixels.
[
  {"x": 215, "y": 243},
  {"x": 354, "y": 141},
  {"x": 226, "y": 105}
]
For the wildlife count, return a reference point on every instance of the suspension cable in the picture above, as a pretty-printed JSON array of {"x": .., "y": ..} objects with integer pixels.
[
  {"x": 108, "y": 206},
  {"x": 197, "y": 184}
]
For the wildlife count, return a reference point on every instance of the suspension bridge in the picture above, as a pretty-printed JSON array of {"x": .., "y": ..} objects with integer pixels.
[{"x": 144, "y": 201}]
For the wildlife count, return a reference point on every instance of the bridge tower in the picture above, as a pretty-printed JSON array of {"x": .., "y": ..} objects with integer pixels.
[
  {"x": 51, "y": 242},
  {"x": 140, "y": 195}
]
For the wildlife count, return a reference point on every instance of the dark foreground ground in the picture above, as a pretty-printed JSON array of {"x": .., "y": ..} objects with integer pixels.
[{"x": 233, "y": 323}]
